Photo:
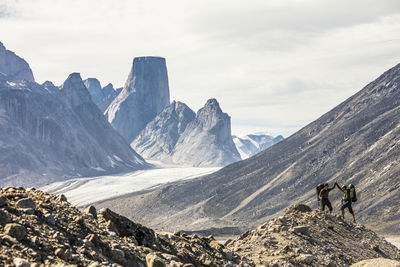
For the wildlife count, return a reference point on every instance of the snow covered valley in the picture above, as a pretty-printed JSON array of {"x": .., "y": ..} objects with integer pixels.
[{"x": 85, "y": 191}]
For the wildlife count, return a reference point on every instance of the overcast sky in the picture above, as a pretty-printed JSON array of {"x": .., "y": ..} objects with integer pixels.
[{"x": 273, "y": 66}]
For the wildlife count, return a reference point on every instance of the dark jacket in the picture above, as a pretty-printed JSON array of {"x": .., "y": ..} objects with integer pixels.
[{"x": 325, "y": 192}]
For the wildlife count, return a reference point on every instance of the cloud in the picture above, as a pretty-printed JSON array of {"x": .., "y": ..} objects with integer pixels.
[{"x": 271, "y": 64}]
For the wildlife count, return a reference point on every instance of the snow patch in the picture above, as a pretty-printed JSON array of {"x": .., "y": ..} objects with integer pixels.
[{"x": 11, "y": 83}]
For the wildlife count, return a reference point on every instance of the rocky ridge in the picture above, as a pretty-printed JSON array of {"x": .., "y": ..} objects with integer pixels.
[
  {"x": 41, "y": 229},
  {"x": 302, "y": 237}
]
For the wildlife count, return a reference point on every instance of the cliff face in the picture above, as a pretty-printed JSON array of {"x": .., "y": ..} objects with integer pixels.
[
  {"x": 47, "y": 133},
  {"x": 12, "y": 67},
  {"x": 207, "y": 140},
  {"x": 158, "y": 139},
  {"x": 145, "y": 94}
]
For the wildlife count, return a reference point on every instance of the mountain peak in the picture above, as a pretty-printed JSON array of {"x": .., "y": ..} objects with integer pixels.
[
  {"x": 145, "y": 94},
  {"x": 13, "y": 67},
  {"x": 75, "y": 90}
]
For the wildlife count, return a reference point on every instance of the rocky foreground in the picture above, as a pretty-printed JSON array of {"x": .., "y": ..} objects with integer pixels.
[
  {"x": 303, "y": 237},
  {"x": 42, "y": 229}
]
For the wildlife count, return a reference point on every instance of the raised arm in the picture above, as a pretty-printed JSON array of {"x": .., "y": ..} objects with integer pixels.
[{"x": 338, "y": 186}]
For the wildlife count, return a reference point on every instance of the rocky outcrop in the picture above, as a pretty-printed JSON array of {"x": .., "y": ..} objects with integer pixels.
[
  {"x": 207, "y": 140},
  {"x": 158, "y": 139},
  {"x": 55, "y": 233},
  {"x": 12, "y": 67},
  {"x": 102, "y": 97},
  {"x": 145, "y": 94},
  {"x": 49, "y": 133},
  {"x": 252, "y": 144},
  {"x": 325, "y": 240}
]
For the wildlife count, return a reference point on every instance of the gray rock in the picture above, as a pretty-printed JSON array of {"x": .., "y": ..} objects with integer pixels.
[
  {"x": 117, "y": 255},
  {"x": 15, "y": 230},
  {"x": 153, "y": 260},
  {"x": 3, "y": 201},
  {"x": 304, "y": 230},
  {"x": 21, "y": 262},
  {"x": 4, "y": 217},
  {"x": 145, "y": 94},
  {"x": 91, "y": 210},
  {"x": 26, "y": 203},
  {"x": 305, "y": 258}
]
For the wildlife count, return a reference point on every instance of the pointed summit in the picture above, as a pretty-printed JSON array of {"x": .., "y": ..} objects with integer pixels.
[
  {"x": 13, "y": 67},
  {"x": 145, "y": 94},
  {"x": 94, "y": 88},
  {"x": 207, "y": 140},
  {"x": 75, "y": 90}
]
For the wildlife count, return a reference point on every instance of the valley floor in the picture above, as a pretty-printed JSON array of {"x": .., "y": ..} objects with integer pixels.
[{"x": 82, "y": 192}]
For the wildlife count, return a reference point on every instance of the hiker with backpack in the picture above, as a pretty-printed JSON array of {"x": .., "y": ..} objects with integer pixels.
[
  {"x": 349, "y": 196},
  {"x": 323, "y": 196}
]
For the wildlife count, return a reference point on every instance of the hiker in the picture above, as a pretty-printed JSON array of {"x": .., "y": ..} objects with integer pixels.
[
  {"x": 348, "y": 197},
  {"x": 323, "y": 196}
]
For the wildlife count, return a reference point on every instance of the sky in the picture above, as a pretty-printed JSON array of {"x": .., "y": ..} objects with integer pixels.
[{"x": 273, "y": 65}]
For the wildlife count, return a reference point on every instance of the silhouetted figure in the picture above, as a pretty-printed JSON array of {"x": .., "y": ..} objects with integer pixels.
[
  {"x": 324, "y": 197},
  {"x": 347, "y": 200}
]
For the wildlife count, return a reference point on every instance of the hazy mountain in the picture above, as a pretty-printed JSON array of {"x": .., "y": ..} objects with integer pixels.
[
  {"x": 180, "y": 136},
  {"x": 47, "y": 133},
  {"x": 101, "y": 96},
  {"x": 158, "y": 139},
  {"x": 207, "y": 140},
  {"x": 251, "y": 144},
  {"x": 357, "y": 142},
  {"x": 12, "y": 67},
  {"x": 145, "y": 94}
]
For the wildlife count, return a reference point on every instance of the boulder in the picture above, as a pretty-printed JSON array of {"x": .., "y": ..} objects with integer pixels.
[
  {"x": 4, "y": 217},
  {"x": 15, "y": 230},
  {"x": 26, "y": 203},
  {"x": 303, "y": 229},
  {"x": 153, "y": 260}
]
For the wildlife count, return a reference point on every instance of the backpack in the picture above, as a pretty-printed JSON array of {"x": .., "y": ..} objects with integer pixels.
[
  {"x": 319, "y": 188},
  {"x": 353, "y": 195}
]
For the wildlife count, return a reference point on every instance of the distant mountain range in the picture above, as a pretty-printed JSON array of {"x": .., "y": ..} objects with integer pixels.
[
  {"x": 251, "y": 144},
  {"x": 357, "y": 142},
  {"x": 49, "y": 133}
]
